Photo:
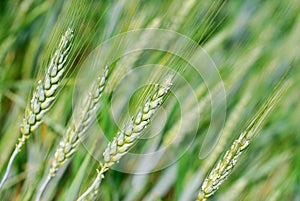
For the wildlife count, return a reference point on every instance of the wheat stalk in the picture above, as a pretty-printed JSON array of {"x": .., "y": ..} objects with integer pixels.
[
  {"x": 225, "y": 166},
  {"x": 74, "y": 133},
  {"x": 43, "y": 96},
  {"x": 126, "y": 138}
]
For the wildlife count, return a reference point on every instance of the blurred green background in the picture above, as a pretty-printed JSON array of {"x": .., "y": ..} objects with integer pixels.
[{"x": 252, "y": 44}]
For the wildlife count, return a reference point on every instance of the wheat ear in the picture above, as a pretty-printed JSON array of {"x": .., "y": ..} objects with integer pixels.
[
  {"x": 225, "y": 166},
  {"x": 68, "y": 145},
  {"x": 43, "y": 96},
  {"x": 126, "y": 138}
]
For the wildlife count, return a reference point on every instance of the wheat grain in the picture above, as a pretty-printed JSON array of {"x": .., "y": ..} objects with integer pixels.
[
  {"x": 225, "y": 166},
  {"x": 126, "y": 138},
  {"x": 43, "y": 96},
  {"x": 68, "y": 145}
]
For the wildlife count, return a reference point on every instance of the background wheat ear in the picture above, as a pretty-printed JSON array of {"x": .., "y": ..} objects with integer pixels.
[
  {"x": 75, "y": 131},
  {"x": 126, "y": 138},
  {"x": 225, "y": 165},
  {"x": 44, "y": 95}
]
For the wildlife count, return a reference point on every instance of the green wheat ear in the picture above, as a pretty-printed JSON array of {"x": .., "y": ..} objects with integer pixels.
[
  {"x": 126, "y": 138},
  {"x": 44, "y": 95},
  {"x": 69, "y": 144},
  {"x": 225, "y": 166},
  {"x": 77, "y": 129}
]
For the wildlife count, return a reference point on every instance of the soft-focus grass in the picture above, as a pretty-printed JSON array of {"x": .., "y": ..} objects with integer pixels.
[{"x": 251, "y": 42}]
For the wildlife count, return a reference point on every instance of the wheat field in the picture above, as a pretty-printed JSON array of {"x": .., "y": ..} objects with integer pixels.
[{"x": 149, "y": 100}]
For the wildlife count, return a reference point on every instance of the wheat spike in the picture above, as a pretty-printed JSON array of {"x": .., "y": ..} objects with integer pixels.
[
  {"x": 225, "y": 166},
  {"x": 44, "y": 95},
  {"x": 74, "y": 132},
  {"x": 68, "y": 145},
  {"x": 45, "y": 92},
  {"x": 227, "y": 131},
  {"x": 126, "y": 138}
]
